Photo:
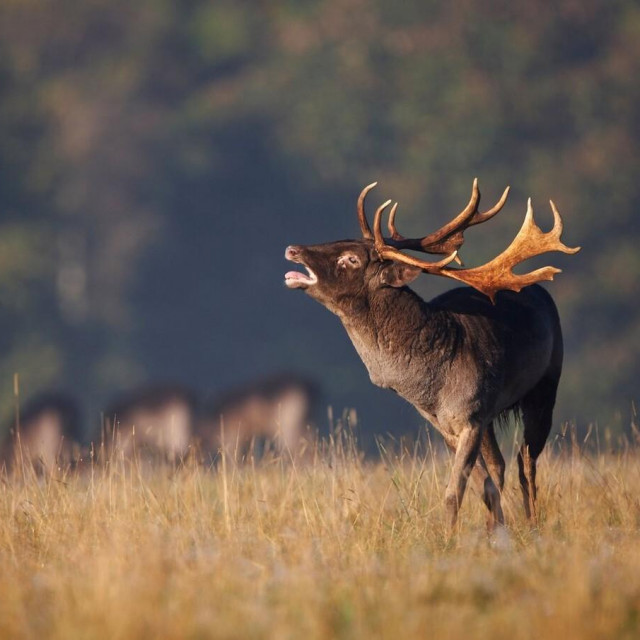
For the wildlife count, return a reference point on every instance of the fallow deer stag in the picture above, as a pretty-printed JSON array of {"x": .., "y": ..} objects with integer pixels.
[{"x": 466, "y": 358}]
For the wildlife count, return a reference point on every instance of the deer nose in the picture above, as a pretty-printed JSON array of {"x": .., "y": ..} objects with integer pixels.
[{"x": 292, "y": 252}]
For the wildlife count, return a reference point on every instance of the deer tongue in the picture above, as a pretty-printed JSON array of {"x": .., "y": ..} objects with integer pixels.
[{"x": 297, "y": 279}]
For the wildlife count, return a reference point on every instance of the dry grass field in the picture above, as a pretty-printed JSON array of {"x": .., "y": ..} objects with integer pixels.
[{"x": 335, "y": 547}]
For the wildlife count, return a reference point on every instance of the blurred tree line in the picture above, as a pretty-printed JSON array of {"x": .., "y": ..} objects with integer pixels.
[{"x": 156, "y": 158}]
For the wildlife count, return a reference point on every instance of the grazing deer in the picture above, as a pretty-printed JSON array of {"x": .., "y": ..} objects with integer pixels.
[
  {"x": 467, "y": 357},
  {"x": 274, "y": 409},
  {"x": 46, "y": 434},
  {"x": 155, "y": 421}
]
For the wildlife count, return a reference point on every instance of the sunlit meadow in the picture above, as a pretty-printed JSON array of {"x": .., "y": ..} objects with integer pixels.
[{"x": 328, "y": 546}]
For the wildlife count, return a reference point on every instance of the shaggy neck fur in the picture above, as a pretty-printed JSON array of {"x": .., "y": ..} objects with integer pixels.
[{"x": 403, "y": 341}]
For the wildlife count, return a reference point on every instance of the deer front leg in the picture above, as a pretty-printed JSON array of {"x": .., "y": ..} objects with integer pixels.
[
  {"x": 484, "y": 483},
  {"x": 466, "y": 453}
]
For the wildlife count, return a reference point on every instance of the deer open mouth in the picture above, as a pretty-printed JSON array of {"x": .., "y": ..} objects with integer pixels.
[{"x": 297, "y": 279}]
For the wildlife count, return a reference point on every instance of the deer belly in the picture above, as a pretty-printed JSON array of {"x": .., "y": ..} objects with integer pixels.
[{"x": 523, "y": 375}]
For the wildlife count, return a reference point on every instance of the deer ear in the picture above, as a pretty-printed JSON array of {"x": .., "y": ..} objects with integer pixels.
[{"x": 398, "y": 275}]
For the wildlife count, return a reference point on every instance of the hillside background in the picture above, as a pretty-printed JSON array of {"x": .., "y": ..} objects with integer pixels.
[{"x": 157, "y": 157}]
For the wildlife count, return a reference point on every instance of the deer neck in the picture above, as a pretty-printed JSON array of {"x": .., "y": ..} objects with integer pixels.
[{"x": 396, "y": 334}]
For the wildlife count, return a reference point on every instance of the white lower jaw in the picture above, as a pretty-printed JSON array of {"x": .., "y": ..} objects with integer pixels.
[
  {"x": 299, "y": 283},
  {"x": 292, "y": 283}
]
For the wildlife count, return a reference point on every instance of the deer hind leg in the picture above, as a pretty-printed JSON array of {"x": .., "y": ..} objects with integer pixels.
[
  {"x": 490, "y": 493},
  {"x": 469, "y": 462},
  {"x": 493, "y": 456},
  {"x": 537, "y": 413}
]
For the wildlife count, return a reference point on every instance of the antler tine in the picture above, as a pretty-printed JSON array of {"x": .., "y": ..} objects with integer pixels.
[
  {"x": 387, "y": 252},
  {"x": 362, "y": 216},
  {"x": 487, "y": 215},
  {"x": 530, "y": 241},
  {"x": 558, "y": 227},
  {"x": 378, "y": 239},
  {"x": 391, "y": 223}
]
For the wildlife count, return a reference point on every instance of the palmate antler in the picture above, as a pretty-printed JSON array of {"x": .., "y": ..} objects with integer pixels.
[{"x": 489, "y": 278}]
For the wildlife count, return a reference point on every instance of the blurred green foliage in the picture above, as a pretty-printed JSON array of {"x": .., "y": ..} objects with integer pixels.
[{"x": 111, "y": 111}]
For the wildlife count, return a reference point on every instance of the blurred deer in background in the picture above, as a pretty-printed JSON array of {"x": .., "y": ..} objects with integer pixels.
[
  {"x": 275, "y": 410},
  {"x": 465, "y": 359},
  {"x": 155, "y": 421},
  {"x": 46, "y": 433}
]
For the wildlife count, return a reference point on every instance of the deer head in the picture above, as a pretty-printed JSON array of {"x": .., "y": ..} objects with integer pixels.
[{"x": 342, "y": 274}]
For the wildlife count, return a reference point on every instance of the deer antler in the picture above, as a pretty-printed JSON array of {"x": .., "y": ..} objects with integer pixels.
[
  {"x": 449, "y": 237},
  {"x": 496, "y": 274},
  {"x": 530, "y": 241},
  {"x": 445, "y": 240},
  {"x": 362, "y": 216}
]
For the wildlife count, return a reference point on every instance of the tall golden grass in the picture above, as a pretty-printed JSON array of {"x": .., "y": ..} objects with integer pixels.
[{"x": 334, "y": 546}]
